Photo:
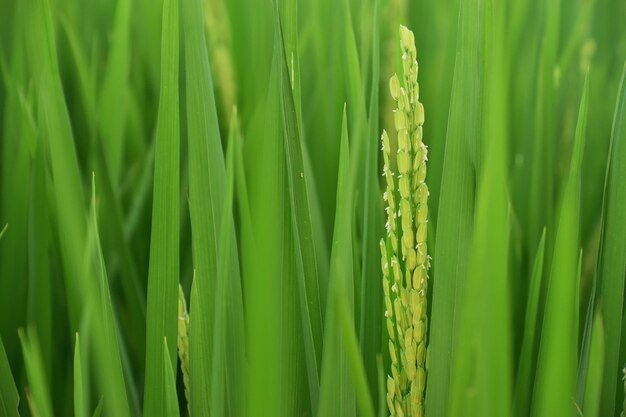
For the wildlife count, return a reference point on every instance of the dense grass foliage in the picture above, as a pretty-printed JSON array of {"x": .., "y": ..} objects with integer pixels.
[{"x": 233, "y": 147}]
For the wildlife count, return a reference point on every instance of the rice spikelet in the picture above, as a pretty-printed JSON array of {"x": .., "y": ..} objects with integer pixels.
[
  {"x": 183, "y": 342},
  {"x": 405, "y": 263}
]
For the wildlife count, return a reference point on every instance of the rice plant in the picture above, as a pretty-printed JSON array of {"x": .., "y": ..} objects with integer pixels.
[{"x": 221, "y": 208}]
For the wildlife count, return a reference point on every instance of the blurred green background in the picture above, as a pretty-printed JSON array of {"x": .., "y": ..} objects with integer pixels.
[{"x": 146, "y": 143}]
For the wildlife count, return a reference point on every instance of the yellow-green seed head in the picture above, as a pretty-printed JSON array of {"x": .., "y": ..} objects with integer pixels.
[{"x": 404, "y": 256}]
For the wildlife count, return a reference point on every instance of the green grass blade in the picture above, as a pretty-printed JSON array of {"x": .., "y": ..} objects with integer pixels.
[
  {"x": 85, "y": 75},
  {"x": 171, "y": 399},
  {"x": 558, "y": 351},
  {"x": 355, "y": 361},
  {"x": 207, "y": 182},
  {"x": 40, "y": 400},
  {"x": 16, "y": 173},
  {"x": 80, "y": 408},
  {"x": 57, "y": 131},
  {"x": 528, "y": 354},
  {"x": 454, "y": 219},
  {"x": 199, "y": 373},
  {"x": 264, "y": 254},
  {"x": 481, "y": 380},
  {"x": 162, "y": 301},
  {"x": 304, "y": 241},
  {"x": 585, "y": 343},
  {"x": 110, "y": 374},
  {"x": 337, "y": 391},
  {"x": 370, "y": 321},
  {"x": 9, "y": 398},
  {"x": 612, "y": 257},
  {"x": 226, "y": 233},
  {"x": 40, "y": 298},
  {"x": 540, "y": 209},
  {"x": 595, "y": 377},
  {"x": 114, "y": 93},
  {"x": 206, "y": 179},
  {"x": 4, "y": 229},
  {"x": 98, "y": 411}
]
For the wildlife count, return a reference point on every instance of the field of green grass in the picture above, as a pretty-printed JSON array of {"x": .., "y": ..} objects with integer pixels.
[{"x": 194, "y": 195}]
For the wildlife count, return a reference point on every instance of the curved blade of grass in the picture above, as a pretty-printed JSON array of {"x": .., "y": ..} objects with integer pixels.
[
  {"x": 40, "y": 401},
  {"x": 337, "y": 392},
  {"x": 612, "y": 257},
  {"x": 303, "y": 239},
  {"x": 114, "y": 93},
  {"x": 528, "y": 353},
  {"x": 162, "y": 301},
  {"x": 9, "y": 398},
  {"x": 455, "y": 216},
  {"x": 558, "y": 351}
]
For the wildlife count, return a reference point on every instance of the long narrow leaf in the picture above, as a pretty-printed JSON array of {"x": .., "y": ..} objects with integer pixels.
[
  {"x": 558, "y": 351},
  {"x": 164, "y": 259},
  {"x": 612, "y": 256},
  {"x": 454, "y": 219},
  {"x": 337, "y": 393}
]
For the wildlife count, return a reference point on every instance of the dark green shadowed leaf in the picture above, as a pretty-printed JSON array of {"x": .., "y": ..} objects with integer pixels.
[
  {"x": 558, "y": 351},
  {"x": 40, "y": 284},
  {"x": 9, "y": 399},
  {"x": 56, "y": 130},
  {"x": 98, "y": 411},
  {"x": 370, "y": 320},
  {"x": 162, "y": 301},
  {"x": 612, "y": 257},
  {"x": 528, "y": 354},
  {"x": 39, "y": 400}
]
